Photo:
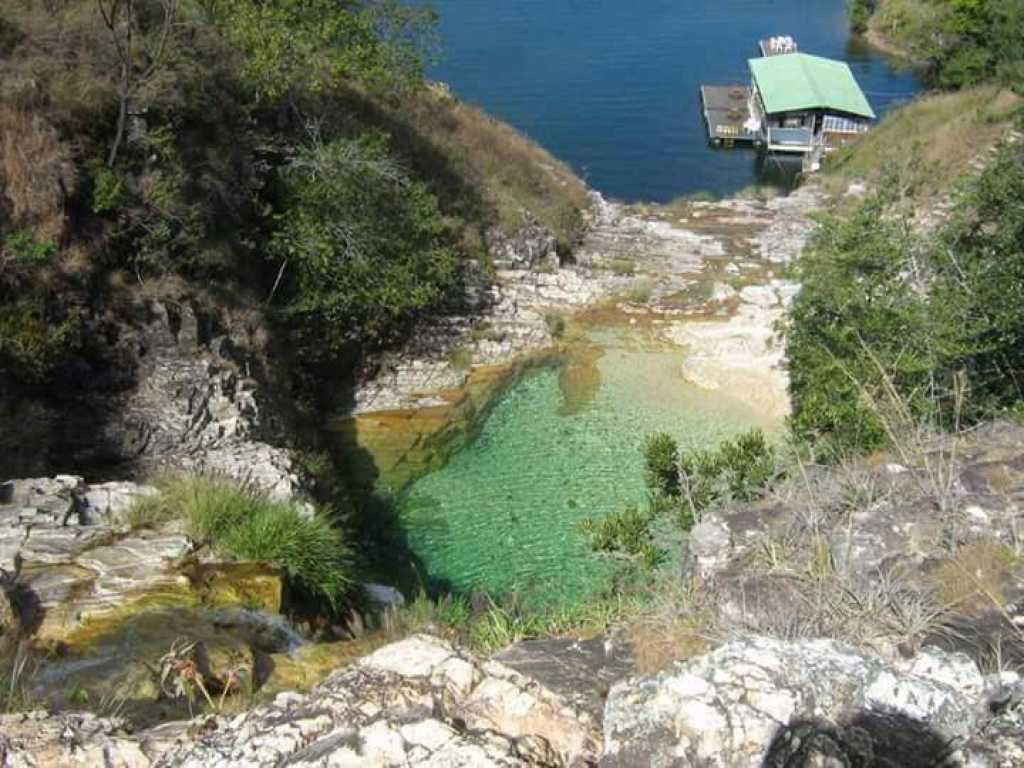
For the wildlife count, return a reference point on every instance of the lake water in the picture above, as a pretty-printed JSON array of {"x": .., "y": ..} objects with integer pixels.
[{"x": 612, "y": 87}]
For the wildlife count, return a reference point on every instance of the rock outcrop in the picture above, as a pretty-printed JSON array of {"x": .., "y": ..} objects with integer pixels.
[
  {"x": 417, "y": 702},
  {"x": 760, "y": 701},
  {"x": 754, "y": 701},
  {"x": 78, "y": 565},
  {"x": 163, "y": 387},
  {"x": 196, "y": 406}
]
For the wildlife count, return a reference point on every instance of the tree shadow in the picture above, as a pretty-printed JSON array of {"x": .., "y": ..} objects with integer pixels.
[{"x": 871, "y": 739}]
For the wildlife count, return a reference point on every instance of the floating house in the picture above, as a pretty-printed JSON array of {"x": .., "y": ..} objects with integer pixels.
[
  {"x": 795, "y": 103},
  {"x": 800, "y": 103}
]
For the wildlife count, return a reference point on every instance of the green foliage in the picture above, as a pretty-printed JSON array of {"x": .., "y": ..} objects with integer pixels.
[
  {"x": 367, "y": 247},
  {"x": 23, "y": 249},
  {"x": 32, "y": 344},
  {"x": 460, "y": 358},
  {"x": 10, "y": 36},
  {"x": 884, "y": 308},
  {"x": 246, "y": 524},
  {"x": 622, "y": 267},
  {"x": 555, "y": 322},
  {"x": 681, "y": 488},
  {"x": 316, "y": 45},
  {"x": 860, "y": 14},
  {"x": 626, "y": 531},
  {"x": 108, "y": 192},
  {"x": 965, "y": 41},
  {"x": 661, "y": 458},
  {"x": 503, "y": 621},
  {"x": 17, "y": 678}
]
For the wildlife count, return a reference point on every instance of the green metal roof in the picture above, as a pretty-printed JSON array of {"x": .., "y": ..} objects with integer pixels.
[{"x": 797, "y": 81}]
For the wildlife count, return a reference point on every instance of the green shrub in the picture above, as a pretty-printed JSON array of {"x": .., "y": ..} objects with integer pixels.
[
  {"x": 108, "y": 192},
  {"x": 622, "y": 267},
  {"x": 246, "y": 524},
  {"x": 367, "y": 247},
  {"x": 460, "y": 358},
  {"x": 886, "y": 311},
  {"x": 627, "y": 531},
  {"x": 22, "y": 248},
  {"x": 681, "y": 488},
  {"x": 661, "y": 458},
  {"x": 32, "y": 345},
  {"x": 640, "y": 293},
  {"x": 860, "y": 14}
]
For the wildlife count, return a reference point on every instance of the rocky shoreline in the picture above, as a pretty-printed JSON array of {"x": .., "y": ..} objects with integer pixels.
[
  {"x": 703, "y": 277},
  {"x": 754, "y": 701}
]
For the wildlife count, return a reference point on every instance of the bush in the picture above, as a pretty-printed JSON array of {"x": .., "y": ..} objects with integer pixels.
[
  {"x": 681, "y": 488},
  {"x": 367, "y": 246},
  {"x": 886, "y": 310},
  {"x": 965, "y": 42},
  {"x": 661, "y": 457},
  {"x": 556, "y": 324},
  {"x": 246, "y": 524},
  {"x": 32, "y": 344}
]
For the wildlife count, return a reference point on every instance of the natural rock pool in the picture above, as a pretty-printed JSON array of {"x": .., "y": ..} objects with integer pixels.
[{"x": 562, "y": 443}]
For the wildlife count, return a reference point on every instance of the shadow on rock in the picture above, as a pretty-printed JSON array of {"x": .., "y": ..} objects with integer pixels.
[{"x": 870, "y": 740}]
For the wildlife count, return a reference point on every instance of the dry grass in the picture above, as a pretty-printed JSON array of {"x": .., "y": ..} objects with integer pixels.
[
  {"x": 514, "y": 172},
  {"x": 943, "y": 133},
  {"x": 976, "y": 577},
  {"x": 35, "y": 172},
  {"x": 674, "y": 626}
]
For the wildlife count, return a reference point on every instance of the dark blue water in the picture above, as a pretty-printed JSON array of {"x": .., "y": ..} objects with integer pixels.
[{"x": 611, "y": 86}]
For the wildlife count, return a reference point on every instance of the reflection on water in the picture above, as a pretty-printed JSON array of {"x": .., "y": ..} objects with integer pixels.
[
  {"x": 580, "y": 379},
  {"x": 561, "y": 445}
]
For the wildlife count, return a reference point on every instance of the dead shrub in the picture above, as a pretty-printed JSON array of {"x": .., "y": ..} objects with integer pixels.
[{"x": 35, "y": 172}]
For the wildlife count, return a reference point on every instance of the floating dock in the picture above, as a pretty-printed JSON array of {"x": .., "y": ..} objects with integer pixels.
[{"x": 726, "y": 112}]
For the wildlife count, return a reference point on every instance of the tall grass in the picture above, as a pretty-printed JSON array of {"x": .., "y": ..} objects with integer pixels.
[{"x": 246, "y": 524}]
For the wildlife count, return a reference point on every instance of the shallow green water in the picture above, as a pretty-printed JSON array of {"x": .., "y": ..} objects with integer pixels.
[{"x": 503, "y": 514}]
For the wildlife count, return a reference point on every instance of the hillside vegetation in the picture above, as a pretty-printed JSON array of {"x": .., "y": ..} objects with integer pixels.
[
  {"x": 938, "y": 137},
  {"x": 288, "y": 155},
  {"x": 963, "y": 42}
]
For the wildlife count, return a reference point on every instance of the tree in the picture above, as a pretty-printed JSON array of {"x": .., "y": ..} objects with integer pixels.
[
  {"x": 140, "y": 39},
  {"x": 367, "y": 247},
  {"x": 316, "y": 45}
]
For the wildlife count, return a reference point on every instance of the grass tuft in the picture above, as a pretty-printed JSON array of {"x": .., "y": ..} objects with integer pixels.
[{"x": 245, "y": 524}]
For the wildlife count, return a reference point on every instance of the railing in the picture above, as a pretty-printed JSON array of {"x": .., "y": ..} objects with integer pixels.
[{"x": 794, "y": 139}]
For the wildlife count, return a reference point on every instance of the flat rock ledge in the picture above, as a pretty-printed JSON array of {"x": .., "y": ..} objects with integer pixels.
[{"x": 421, "y": 702}]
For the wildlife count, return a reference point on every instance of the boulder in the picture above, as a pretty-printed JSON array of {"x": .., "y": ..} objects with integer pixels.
[
  {"x": 416, "y": 702},
  {"x": 765, "y": 702}
]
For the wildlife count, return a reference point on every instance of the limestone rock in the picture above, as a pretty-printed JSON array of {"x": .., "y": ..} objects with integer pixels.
[
  {"x": 41, "y": 740},
  {"x": 417, "y": 702},
  {"x": 760, "y": 701},
  {"x": 531, "y": 247}
]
